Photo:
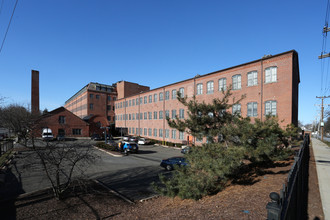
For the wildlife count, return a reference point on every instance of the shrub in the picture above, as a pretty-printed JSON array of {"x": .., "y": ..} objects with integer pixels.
[{"x": 207, "y": 172}]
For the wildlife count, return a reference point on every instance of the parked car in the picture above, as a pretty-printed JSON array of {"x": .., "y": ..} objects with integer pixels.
[
  {"x": 96, "y": 137},
  {"x": 47, "y": 134},
  {"x": 130, "y": 147},
  {"x": 144, "y": 141},
  {"x": 126, "y": 138},
  {"x": 185, "y": 149},
  {"x": 133, "y": 139},
  {"x": 169, "y": 163}
]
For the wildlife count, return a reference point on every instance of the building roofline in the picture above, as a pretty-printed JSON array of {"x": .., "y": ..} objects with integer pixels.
[{"x": 266, "y": 57}]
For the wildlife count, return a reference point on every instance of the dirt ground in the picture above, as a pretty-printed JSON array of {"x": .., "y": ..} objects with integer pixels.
[{"x": 245, "y": 199}]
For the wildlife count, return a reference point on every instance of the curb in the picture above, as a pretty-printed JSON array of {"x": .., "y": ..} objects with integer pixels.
[
  {"x": 114, "y": 192},
  {"x": 177, "y": 148},
  {"x": 149, "y": 198},
  {"x": 114, "y": 155}
]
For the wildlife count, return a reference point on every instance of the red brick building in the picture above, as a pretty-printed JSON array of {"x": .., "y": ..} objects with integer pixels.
[
  {"x": 270, "y": 85},
  {"x": 61, "y": 121}
]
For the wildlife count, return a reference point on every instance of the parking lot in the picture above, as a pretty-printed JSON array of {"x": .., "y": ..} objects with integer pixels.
[{"x": 129, "y": 175}]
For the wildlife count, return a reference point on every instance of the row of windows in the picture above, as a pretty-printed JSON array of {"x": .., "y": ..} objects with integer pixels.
[
  {"x": 252, "y": 80},
  {"x": 150, "y": 98},
  {"x": 151, "y": 115},
  {"x": 157, "y": 132},
  {"x": 252, "y": 108},
  {"x": 252, "y": 111},
  {"x": 91, "y": 96}
]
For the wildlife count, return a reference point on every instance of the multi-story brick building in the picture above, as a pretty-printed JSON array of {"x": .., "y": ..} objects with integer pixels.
[
  {"x": 270, "y": 85},
  {"x": 95, "y": 104}
]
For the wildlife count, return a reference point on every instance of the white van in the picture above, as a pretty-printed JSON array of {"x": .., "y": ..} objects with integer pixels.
[{"x": 47, "y": 134}]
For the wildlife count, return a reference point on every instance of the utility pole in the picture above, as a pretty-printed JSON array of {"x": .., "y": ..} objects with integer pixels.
[{"x": 322, "y": 109}]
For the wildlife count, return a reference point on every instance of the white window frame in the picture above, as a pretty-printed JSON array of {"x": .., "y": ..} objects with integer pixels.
[
  {"x": 271, "y": 107},
  {"x": 223, "y": 84},
  {"x": 181, "y": 91},
  {"x": 252, "y": 109},
  {"x": 199, "y": 89},
  {"x": 252, "y": 78},
  {"x": 210, "y": 87},
  {"x": 237, "y": 82},
  {"x": 236, "y": 108},
  {"x": 271, "y": 74}
]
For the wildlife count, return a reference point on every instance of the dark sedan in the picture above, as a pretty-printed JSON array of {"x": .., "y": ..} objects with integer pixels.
[{"x": 169, "y": 163}]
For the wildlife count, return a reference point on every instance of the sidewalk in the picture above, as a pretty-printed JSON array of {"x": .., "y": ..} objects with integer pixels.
[{"x": 322, "y": 159}]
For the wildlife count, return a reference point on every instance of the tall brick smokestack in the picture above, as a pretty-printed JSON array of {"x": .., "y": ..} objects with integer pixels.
[{"x": 35, "y": 92}]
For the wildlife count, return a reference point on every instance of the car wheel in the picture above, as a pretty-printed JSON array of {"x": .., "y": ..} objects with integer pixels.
[
  {"x": 169, "y": 167},
  {"x": 125, "y": 152}
]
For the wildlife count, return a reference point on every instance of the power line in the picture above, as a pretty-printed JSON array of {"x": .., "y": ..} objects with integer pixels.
[{"x": 12, "y": 14}]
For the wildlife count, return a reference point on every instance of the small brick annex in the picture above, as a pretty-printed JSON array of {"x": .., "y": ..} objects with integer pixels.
[{"x": 62, "y": 121}]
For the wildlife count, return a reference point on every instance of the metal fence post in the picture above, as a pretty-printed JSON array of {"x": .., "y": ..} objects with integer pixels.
[{"x": 274, "y": 207}]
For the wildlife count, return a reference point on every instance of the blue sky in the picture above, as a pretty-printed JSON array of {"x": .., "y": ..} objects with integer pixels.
[{"x": 154, "y": 43}]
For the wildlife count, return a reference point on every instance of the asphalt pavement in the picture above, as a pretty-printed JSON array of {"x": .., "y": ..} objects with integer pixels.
[
  {"x": 130, "y": 175},
  {"x": 322, "y": 158}
]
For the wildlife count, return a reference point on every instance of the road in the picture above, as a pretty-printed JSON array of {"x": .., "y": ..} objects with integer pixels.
[{"x": 129, "y": 175}]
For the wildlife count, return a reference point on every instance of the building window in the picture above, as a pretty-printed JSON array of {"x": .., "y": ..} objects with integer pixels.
[
  {"x": 167, "y": 95},
  {"x": 130, "y": 130},
  {"x": 150, "y": 98},
  {"x": 150, "y": 115},
  {"x": 145, "y": 99},
  {"x": 145, "y": 115},
  {"x": 91, "y": 96},
  {"x": 140, "y": 131},
  {"x": 252, "y": 109},
  {"x": 155, "y": 97},
  {"x": 161, "y": 96},
  {"x": 252, "y": 78},
  {"x": 109, "y": 98},
  {"x": 199, "y": 139},
  {"x": 145, "y": 131},
  {"x": 222, "y": 84},
  {"x": 141, "y": 116},
  {"x": 199, "y": 88},
  {"x": 174, "y": 94},
  {"x": 133, "y": 102},
  {"x": 109, "y": 107},
  {"x": 114, "y": 98},
  {"x": 155, "y": 115},
  {"x": 149, "y": 132},
  {"x": 133, "y": 116},
  {"x": 76, "y": 131},
  {"x": 209, "y": 87},
  {"x": 97, "y": 96},
  {"x": 133, "y": 130},
  {"x": 181, "y": 113},
  {"x": 130, "y": 103},
  {"x": 167, "y": 113},
  {"x": 237, "y": 82},
  {"x": 237, "y": 109},
  {"x": 173, "y": 134},
  {"x": 137, "y": 131},
  {"x": 129, "y": 116},
  {"x": 173, "y": 113},
  {"x": 141, "y": 100},
  {"x": 160, "y": 132},
  {"x": 109, "y": 118},
  {"x": 167, "y": 133},
  {"x": 160, "y": 114},
  {"x": 181, "y": 91},
  {"x": 120, "y": 105},
  {"x": 61, "y": 119},
  {"x": 181, "y": 135},
  {"x": 91, "y": 106},
  {"x": 271, "y": 74},
  {"x": 155, "y": 132},
  {"x": 137, "y": 101},
  {"x": 270, "y": 108}
]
